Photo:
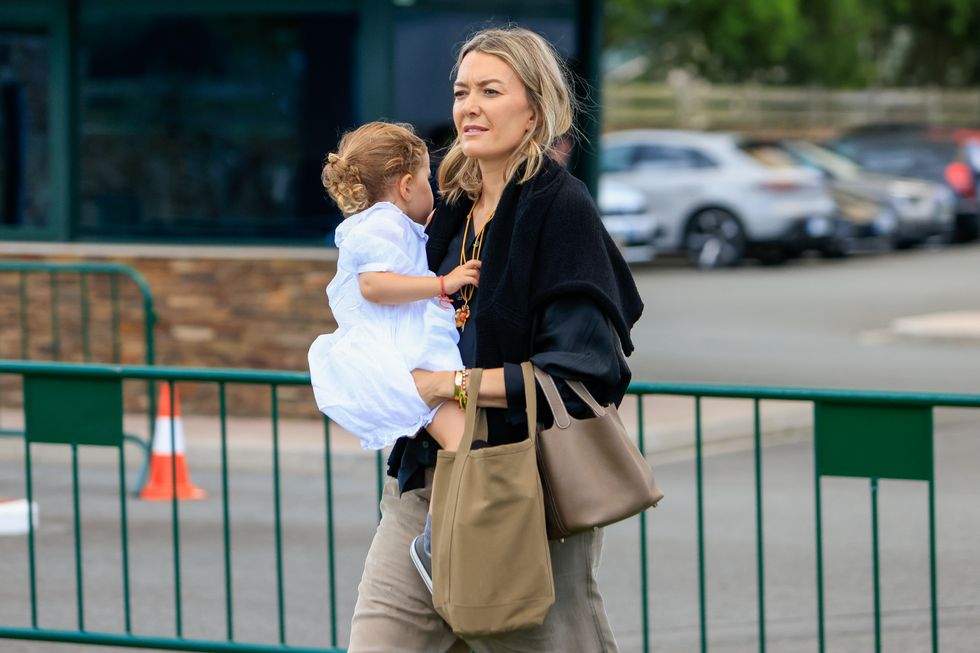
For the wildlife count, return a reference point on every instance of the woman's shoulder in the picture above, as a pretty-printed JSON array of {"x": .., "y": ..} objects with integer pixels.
[{"x": 569, "y": 196}]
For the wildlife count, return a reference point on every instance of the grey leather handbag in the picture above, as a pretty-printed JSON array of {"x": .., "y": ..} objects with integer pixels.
[{"x": 592, "y": 472}]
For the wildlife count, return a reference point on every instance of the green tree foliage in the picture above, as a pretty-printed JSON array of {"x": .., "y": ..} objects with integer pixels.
[{"x": 829, "y": 42}]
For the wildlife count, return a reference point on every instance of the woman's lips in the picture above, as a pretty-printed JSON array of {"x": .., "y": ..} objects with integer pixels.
[{"x": 473, "y": 130}]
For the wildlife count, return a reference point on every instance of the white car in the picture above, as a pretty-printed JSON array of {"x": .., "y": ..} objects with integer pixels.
[
  {"x": 715, "y": 201},
  {"x": 626, "y": 216}
]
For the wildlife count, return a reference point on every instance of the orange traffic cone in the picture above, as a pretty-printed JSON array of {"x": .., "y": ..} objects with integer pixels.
[{"x": 166, "y": 459}]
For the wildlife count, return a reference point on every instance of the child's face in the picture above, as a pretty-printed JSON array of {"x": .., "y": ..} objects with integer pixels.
[{"x": 419, "y": 200}]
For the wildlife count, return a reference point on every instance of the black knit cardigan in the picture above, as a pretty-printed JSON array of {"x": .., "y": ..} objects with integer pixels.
[{"x": 546, "y": 241}]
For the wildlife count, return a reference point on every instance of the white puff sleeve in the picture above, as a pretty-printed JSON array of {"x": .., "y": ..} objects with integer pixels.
[{"x": 379, "y": 244}]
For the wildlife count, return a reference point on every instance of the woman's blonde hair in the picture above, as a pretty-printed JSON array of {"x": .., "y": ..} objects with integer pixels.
[
  {"x": 548, "y": 85},
  {"x": 367, "y": 161}
]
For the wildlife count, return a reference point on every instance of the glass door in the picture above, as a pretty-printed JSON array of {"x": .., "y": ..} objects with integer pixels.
[{"x": 33, "y": 144}]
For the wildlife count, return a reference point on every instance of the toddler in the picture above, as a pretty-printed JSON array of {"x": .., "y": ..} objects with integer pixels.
[{"x": 393, "y": 314}]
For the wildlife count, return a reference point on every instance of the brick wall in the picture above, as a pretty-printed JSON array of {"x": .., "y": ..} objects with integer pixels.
[{"x": 216, "y": 307}]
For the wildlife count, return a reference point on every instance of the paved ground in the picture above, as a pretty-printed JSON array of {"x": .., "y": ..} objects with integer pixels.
[{"x": 806, "y": 324}]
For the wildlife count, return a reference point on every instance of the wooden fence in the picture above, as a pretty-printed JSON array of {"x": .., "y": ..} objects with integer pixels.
[{"x": 699, "y": 105}]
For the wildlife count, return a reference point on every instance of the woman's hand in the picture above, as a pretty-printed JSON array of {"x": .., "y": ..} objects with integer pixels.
[{"x": 434, "y": 387}]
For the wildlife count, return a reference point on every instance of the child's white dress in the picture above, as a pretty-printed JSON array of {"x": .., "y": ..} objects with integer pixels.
[{"x": 361, "y": 373}]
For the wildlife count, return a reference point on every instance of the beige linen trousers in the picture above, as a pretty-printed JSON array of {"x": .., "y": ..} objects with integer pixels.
[{"x": 394, "y": 611}]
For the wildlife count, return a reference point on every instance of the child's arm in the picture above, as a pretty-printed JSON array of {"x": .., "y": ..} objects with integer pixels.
[{"x": 391, "y": 288}]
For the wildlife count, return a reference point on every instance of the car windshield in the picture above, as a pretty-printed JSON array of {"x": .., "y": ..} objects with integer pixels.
[
  {"x": 769, "y": 155},
  {"x": 839, "y": 166},
  {"x": 903, "y": 158}
]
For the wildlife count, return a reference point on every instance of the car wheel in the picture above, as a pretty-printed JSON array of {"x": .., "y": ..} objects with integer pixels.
[{"x": 714, "y": 239}]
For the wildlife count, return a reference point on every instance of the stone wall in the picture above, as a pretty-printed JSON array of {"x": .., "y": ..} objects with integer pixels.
[{"x": 229, "y": 307}]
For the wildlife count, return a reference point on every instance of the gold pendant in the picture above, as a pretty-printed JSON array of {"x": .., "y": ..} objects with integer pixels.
[{"x": 462, "y": 314}]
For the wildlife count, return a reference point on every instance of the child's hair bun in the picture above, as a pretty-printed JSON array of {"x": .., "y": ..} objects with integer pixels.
[
  {"x": 343, "y": 181},
  {"x": 367, "y": 161}
]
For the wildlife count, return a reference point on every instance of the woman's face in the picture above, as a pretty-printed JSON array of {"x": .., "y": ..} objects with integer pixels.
[{"x": 491, "y": 110}]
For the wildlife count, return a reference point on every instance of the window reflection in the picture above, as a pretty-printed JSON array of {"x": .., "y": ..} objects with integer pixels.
[
  {"x": 24, "y": 174},
  {"x": 212, "y": 126}
]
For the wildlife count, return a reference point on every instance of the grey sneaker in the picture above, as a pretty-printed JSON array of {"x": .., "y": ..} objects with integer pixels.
[{"x": 422, "y": 560}]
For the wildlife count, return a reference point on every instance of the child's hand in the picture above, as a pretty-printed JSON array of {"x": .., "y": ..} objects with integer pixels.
[{"x": 467, "y": 274}]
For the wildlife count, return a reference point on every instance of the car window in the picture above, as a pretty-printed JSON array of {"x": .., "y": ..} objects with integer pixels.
[
  {"x": 771, "y": 156},
  {"x": 617, "y": 158},
  {"x": 904, "y": 158},
  {"x": 665, "y": 157}
]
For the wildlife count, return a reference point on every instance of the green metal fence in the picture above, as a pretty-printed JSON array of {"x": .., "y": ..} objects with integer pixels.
[
  {"x": 74, "y": 333},
  {"x": 870, "y": 435},
  {"x": 55, "y": 277}
]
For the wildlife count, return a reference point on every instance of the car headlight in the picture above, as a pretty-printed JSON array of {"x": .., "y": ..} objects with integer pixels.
[{"x": 818, "y": 227}]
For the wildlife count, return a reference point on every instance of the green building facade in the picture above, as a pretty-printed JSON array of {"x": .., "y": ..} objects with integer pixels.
[{"x": 205, "y": 121}]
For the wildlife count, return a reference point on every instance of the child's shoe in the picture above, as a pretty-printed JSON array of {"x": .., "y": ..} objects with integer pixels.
[{"x": 422, "y": 559}]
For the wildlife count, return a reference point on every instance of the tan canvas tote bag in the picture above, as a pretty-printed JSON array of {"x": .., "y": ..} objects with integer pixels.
[{"x": 491, "y": 567}]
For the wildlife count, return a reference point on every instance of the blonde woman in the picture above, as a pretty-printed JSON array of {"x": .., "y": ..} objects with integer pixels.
[{"x": 553, "y": 289}]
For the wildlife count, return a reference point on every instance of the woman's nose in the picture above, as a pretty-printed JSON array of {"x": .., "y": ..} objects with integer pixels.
[{"x": 471, "y": 105}]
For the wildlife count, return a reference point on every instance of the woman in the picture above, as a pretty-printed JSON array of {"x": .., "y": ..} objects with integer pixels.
[{"x": 553, "y": 289}]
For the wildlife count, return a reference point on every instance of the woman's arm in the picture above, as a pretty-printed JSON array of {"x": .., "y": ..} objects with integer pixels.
[
  {"x": 391, "y": 288},
  {"x": 437, "y": 387}
]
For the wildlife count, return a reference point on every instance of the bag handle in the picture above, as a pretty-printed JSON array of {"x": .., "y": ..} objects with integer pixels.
[
  {"x": 530, "y": 400},
  {"x": 476, "y": 419},
  {"x": 469, "y": 428},
  {"x": 562, "y": 419}
]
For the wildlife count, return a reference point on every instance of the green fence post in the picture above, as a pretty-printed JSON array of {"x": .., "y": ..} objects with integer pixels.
[
  {"x": 760, "y": 555},
  {"x": 644, "y": 571},
  {"x": 331, "y": 556},
  {"x": 223, "y": 411},
  {"x": 175, "y": 512},
  {"x": 875, "y": 573},
  {"x": 25, "y": 345},
  {"x": 278, "y": 516},
  {"x": 702, "y": 594}
]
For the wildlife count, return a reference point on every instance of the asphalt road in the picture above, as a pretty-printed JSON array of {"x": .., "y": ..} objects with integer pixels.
[{"x": 808, "y": 324}]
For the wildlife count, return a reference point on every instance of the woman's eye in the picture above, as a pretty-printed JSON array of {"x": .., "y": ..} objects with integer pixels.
[
  {"x": 491, "y": 91},
  {"x": 458, "y": 94}
]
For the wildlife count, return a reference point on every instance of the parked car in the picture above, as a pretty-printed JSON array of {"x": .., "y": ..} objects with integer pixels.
[
  {"x": 716, "y": 202},
  {"x": 906, "y": 211},
  {"x": 626, "y": 215},
  {"x": 945, "y": 156}
]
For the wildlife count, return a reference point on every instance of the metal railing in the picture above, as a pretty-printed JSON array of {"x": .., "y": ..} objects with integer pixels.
[
  {"x": 850, "y": 430},
  {"x": 82, "y": 273},
  {"x": 60, "y": 280}
]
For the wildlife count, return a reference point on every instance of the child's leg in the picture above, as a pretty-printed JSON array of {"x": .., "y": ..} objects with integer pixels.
[{"x": 447, "y": 426}]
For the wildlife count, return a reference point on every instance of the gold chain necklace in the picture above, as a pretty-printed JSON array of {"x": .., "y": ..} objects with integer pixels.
[{"x": 466, "y": 292}]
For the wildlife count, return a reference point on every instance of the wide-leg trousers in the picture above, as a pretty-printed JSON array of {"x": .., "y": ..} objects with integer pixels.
[{"x": 394, "y": 612}]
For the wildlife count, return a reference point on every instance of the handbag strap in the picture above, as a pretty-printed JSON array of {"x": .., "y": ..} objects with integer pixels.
[
  {"x": 470, "y": 423},
  {"x": 530, "y": 400},
  {"x": 562, "y": 419},
  {"x": 583, "y": 393},
  {"x": 476, "y": 419}
]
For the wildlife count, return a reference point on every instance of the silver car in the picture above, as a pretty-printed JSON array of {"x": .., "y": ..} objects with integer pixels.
[
  {"x": 717, "y": 202},
  {"x": 626, "y": 215},
  {"x": 920, "y": 209}
]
